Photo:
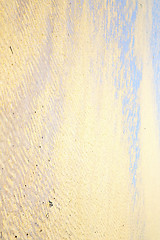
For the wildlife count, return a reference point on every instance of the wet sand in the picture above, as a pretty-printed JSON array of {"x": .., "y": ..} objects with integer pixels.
[{"x": 79, "y": 151}]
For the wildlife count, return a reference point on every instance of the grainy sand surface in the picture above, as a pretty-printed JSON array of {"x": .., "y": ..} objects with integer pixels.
[{"x": 79, "y": 130}]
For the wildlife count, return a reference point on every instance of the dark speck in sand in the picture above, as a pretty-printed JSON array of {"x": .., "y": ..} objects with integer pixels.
[
  {"x": 50, "y": 204},
  {"x": 11, "y": 49}
]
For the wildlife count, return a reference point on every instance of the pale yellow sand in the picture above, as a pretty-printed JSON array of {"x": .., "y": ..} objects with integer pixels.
[{"x": 61, "y": 127}]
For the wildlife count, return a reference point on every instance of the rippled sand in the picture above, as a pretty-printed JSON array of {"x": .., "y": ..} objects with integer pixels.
[{"x": 79, "y": 150}]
